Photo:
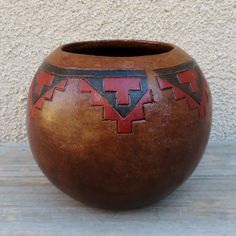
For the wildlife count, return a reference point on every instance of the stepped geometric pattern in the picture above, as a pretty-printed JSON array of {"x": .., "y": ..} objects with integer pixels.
[
  {"x": 43, "y": 90},
  {"x": 122, "y": 93},
  {"x": 189, "y": 84},
  {"x": 124, "y": 124}
]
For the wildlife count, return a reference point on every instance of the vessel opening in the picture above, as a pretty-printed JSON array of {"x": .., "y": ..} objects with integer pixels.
[{"x": 118, "y": 48}]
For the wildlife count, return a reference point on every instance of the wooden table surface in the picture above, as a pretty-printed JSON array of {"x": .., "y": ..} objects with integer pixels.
[{"x": 204, "y": 205}]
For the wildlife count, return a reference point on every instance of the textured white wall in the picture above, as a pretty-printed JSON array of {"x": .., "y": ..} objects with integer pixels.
[{"x": 31, "y": 29}]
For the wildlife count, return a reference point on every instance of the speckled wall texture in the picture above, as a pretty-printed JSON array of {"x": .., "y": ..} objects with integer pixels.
[{"x": 31, "y": 29}]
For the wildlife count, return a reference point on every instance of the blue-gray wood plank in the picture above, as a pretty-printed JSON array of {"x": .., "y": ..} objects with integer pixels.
[{"x": 204, "y": 205}]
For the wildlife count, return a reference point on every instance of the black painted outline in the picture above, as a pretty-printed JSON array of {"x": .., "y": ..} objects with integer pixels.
[
  {"x": 100, "y": 73},
  {"x": 171, "y": 75},
  {"x": 177, "y": 69},
  {"x": 95, "y": 79}
]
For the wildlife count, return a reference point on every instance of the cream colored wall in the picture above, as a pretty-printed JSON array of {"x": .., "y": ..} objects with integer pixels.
[{"x": 31, "y": 29}]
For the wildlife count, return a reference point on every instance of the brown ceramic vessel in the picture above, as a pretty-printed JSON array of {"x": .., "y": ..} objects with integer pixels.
[{"x": 118, "y": 124}]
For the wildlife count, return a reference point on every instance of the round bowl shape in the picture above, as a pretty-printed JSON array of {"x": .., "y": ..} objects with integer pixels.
[{"x": 118, "y": 124}]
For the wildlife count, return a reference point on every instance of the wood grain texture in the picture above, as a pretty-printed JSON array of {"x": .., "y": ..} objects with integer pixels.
[{"x": 204, "y": 205}]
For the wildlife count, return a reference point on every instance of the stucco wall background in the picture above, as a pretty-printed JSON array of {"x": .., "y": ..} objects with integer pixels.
[{"x": 31, "y": 29}]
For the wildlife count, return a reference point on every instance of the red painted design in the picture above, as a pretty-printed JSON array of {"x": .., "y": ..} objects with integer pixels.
[
  {"x": 43, "y": 79},
  {"x": 124, "y": 125},
  {"x": 190, "y": 78},
  {"x": 47, "y": 96},
  {"x": 121, "y": 86}
]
